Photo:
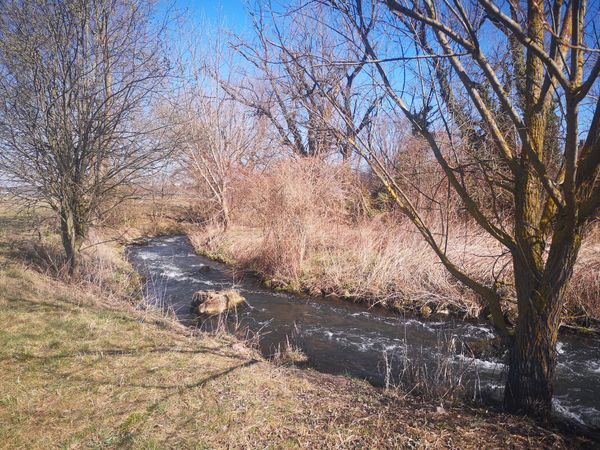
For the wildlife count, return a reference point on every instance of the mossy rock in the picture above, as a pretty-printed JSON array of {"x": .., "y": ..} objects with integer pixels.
[
  {"x": 216, "y": 302},
  {"x": 425, "y": 311},
  {"x": 205, "y": 269}
]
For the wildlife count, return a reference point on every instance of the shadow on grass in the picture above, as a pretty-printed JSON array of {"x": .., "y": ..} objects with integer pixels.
[
  {"x": 64, "y": 304},
  {"x": 127, "y": 437},
  {"x": 59, "y": 304},
  {"x": 178, "y": 388},
  {"x": 124, "y": 352}
]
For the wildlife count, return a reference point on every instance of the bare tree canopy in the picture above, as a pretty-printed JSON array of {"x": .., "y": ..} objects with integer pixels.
[
  {"x": 290, "y": 76},
  {"x": 217, "y": 136},
  {"x": 77, "y": 78}
]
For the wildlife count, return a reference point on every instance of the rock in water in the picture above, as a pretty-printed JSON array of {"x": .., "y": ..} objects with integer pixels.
[{"x": 216, "y": 302}]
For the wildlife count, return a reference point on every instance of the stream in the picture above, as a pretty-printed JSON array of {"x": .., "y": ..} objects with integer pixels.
[{"x": 344, "y": 338}]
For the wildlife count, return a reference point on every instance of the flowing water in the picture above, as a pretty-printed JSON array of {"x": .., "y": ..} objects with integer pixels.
[{"x": 345, "y": 338}]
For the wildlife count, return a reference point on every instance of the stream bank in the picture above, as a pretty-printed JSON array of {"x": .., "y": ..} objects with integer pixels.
[{"x": 343, "y": 338}]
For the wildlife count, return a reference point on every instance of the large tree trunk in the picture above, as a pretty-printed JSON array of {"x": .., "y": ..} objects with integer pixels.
[
  {"x": 532, "y": 358},
  {"x": 73, "y": 234},
  {"x": 225, "y": 219},
  {"x": 540, "y": 296}
]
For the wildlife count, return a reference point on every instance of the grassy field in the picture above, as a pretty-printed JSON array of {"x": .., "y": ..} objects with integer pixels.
[{"x": 84, "y": 367}]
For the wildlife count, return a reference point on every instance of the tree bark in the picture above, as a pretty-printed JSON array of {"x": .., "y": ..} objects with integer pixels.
[
  {"x": 225, "y": 214},
  {"x": 540, "y": 296},
  {"x": 532, "y": 359},
  {"x": 73, "y": 234}
]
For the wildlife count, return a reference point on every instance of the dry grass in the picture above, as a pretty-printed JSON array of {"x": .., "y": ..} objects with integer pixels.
[
  {"x": 583, "y": 296},
  {"x": 31, "y": 236},
  {"x": 77, "y": 373},
  {"x": 295, "y": 228},
  {"x": 148, "y": 216}
]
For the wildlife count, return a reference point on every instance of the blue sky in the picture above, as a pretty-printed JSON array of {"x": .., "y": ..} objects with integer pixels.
[{"x": 229, "y": 13}]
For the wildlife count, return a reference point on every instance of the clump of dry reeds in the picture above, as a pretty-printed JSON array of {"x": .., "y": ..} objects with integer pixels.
[
  {"x": 290, "y": 205},
  {"x": 583, "y": 294}
]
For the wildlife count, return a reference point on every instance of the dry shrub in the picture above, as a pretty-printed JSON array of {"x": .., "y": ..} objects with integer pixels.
[
  {"x": 296, "y": 226},
  {"x": 292, "y": 203},
  {"x": 106, "y": 267},
  {"x": 583, "y": 294},
  {"x": 288, "y": 354},
  {"x": 447, "y": 378},
  {"x": 386, "y": 261},
  {"x": 151, "y": 215}
]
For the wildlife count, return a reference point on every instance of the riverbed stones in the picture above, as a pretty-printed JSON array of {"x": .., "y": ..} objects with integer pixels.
[{"x": 216, "y": 302}]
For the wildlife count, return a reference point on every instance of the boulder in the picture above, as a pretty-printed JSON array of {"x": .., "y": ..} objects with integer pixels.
[
  {"x": 442, "y": 311},
  {"x": 216, "y": 302},
  {"x": 487, "y": 348}
]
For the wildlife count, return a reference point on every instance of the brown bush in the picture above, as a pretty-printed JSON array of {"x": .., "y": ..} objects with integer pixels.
[{"x": 291, "y": 204}]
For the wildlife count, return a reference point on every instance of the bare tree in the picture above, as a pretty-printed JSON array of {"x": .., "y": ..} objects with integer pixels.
[
  {"x": 217, "y": 137},
  {"x": 292, "y": 65},
  {"x": 478, "y": 83},
  {"x": 76, "y": 80}
]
